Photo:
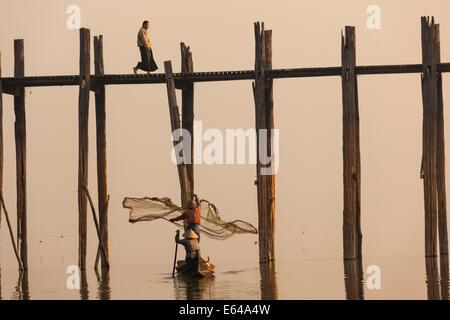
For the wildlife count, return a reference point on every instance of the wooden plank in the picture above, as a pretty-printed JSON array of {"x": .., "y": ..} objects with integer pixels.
[
  {"x": 83, "y": 116},
  {"x": 175, "y": 124},
  {"x": 351, "y": 154},
  {"x": 100, "y": 114},
  {"x": 20, "y": 140},
  {"x": 187, "y": 107},
  {"x": 429, "y": 135}
]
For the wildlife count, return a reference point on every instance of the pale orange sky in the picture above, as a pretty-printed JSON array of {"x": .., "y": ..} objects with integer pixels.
[{"x": 308, "y": 113}]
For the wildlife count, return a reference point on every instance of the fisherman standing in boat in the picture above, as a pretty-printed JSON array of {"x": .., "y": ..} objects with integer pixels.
[
  {"x": 192, "y": 216},
  {"x": 190, "y": 243}
]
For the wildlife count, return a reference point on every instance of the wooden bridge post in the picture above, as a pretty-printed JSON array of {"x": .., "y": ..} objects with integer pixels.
[
  {"x": 263, "y": 96},
  {"x": 352, "y": 238},
  {"x": 431, "y": 130},
  {"x": 187, "y": 113},
  {"x": 20, "y": 138},
  {"x": 354, "y": 279},
  {"x": 440, "y": 156},
  {"x": 83, "y": 116},
  {"x": 1, "y": 135},
  {"x": 100, "y": 114},
  {"x": 175, "y": 125}
]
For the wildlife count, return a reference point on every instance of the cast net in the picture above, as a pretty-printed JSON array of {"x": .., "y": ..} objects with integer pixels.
[{"x": 150, "y": 209}]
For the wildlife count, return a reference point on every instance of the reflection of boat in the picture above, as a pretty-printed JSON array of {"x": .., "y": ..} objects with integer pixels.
[{"x": 200, "y": 268}]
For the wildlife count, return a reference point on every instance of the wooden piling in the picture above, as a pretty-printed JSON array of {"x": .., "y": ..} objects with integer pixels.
[
  {"x": 97, "y": 228},
  {"x": 187, "y": 107},
  {"x": 100, "y": 114},
  {"x": 269, "y": 125},
  {"x": 1, "y": 135},
  {"x": 269, "y": 281},
  {"x": 440, "y": 156},
  {"x": 352, "y": 237},
  {"x": 175, "y": 124},
  {"x": 432, "y": 278},
  {"x": 429, "y": 133},
  {"x": 354, "y": 279},
  {"x": 83, "y": 115},
  {"x": 444, "y": 276},
  {"x": 263, "y": 96},
  {"x": 20, "y": 139}
]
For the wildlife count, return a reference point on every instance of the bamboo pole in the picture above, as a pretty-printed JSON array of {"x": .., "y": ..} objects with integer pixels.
[
  {"x": 100, "y": 114},
  {"x": 97, "y": 228},
  {"x": 429, "y": 138},
  {"x": 352, "y": 237},
  {"x": 20, "y": 139},
  {"x": 10, "y": 230},
  {"x": 175, "y": 125},
  {"x": 83, "y": 116}
]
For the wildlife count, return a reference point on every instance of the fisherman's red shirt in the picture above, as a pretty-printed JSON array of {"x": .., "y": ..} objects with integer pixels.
[{"x": 192, "y": 215}]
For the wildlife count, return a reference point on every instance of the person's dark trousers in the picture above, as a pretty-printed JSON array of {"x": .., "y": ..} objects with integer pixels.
[
  {"x": 196, "y": 228},
  {"x": 147, "y": 62}
]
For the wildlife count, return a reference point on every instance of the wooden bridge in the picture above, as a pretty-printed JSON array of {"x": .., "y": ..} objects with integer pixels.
[
  {"x": 10, "y": 83},
  {"x": 433, "y": 157}
]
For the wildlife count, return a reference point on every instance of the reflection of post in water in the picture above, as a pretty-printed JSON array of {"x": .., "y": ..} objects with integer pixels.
[
  {"x": 444, "y": 277},
  {"x": 84, "y": 292},
  {"x": 187, "y": 288},
  {"x": 432, "y": 278},
  {"x": 21, "y": 290},
  {"x": 104, "y": 288},
  {"x": 269, "y": 284},
  {"x": 437, "y": 286},
  {"x": 353, "y": 277}
]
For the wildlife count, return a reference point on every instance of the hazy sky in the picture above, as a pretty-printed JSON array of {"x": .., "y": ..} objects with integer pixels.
[{"x": 308, "y": 113}]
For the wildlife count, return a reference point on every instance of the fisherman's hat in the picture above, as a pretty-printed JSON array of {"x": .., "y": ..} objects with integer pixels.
[{"x": 190, "y": 234}]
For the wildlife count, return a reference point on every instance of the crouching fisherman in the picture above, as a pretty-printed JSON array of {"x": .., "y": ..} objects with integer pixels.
[{"x": 190, "y": 243}]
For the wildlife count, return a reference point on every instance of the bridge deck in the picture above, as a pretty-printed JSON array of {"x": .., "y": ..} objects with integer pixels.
[{"x": 70, "y": 80}]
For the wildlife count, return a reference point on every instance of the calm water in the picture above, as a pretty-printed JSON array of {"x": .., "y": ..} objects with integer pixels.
[{"x": 412, "y": 277}]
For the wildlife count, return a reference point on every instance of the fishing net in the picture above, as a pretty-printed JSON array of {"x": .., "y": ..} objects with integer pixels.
[{"x": 149, "y": 209}]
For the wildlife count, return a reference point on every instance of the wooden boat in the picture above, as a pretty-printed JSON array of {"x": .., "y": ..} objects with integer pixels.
[{"x": 202, "y": 269}]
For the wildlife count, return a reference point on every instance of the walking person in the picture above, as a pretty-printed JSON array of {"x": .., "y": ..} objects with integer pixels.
[{"x": 144, "y": 43}]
